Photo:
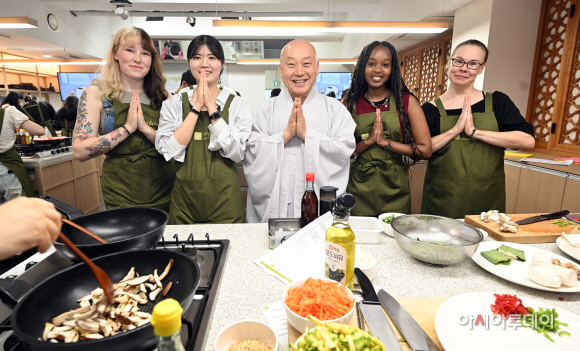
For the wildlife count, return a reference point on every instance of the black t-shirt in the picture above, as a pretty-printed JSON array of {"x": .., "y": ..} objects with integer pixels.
[
  {"x": 508, "y": 116},
  {"x": 46, "y": 108}
]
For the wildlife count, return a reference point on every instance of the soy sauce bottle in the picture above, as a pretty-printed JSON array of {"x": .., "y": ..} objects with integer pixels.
[
  {"x": 341, "y": 244},
  {"x": 309, "y": 202},
  {"x": 327, "y": 199}
]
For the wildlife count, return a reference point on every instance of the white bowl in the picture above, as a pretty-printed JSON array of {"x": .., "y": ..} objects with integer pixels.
[
  {"x": 300, "y": 323},
  {"x": 366, "y": 263},
  {"x": 387, "y": 227},
  {"x": 366, "y": 229},
  {"x": 245, "y": 330}
]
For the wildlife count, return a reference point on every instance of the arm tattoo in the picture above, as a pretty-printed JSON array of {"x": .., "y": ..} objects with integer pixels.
[
  {"x": 99, "y": 147},
  {"x": 116, "y": 134},
  {"x": 83, "y": 127}
]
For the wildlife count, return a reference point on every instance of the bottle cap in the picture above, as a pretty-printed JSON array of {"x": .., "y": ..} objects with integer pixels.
[
  {"x": 166, "y": 319},
  {"x": 309, "y": 177},
  {"x": 344, "y": 203}
]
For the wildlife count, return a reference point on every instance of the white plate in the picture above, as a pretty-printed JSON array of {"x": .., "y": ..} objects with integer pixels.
[
  {"x": 572, "y": 251},
  {"x": 455, "y": 333},
  {"x": 517, "y": 271}
]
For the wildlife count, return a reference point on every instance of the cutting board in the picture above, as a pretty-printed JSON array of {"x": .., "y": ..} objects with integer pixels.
[
  {"x": 539, "y": 232},
  {"x": 421, "y": 309}
]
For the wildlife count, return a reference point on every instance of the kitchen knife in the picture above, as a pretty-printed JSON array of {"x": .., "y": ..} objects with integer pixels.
[
  {"x": 374, "y": 314},
  {"x": 574, "y": 217},
  {"x": 543, "y": 217},
  {"x": 416, "y": 337}
]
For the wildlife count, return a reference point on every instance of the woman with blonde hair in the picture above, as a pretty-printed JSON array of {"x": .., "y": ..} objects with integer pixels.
[{"x": 118, "y": 116}]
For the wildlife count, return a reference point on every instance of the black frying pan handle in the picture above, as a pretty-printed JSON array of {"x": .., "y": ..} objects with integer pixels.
[
  {"x": 189, "y": 328},
  {"x": 11, "y": 290},
  {"x": 5, "y": 328},
  {"x": 70, "y": 212}
]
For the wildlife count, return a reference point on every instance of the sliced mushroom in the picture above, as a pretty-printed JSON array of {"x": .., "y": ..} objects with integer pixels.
[
  {"x": 166, "y": 290},
  {"x": 87, "y": 315},
  {"x": 93, "y": 336},
  {"x": 151, "y": 286},
  {"x": 96, "y": 293},
  {"x": 143, "y": 315},
  {"x": 68, "y": 315},
  {"x": 143, "y": 288},
  {"x": 129, "y": 275},
  {"x": 137, "y": 281},
  {"x": 167, "y": 270},
  {"x": 71, "y": 336},
  {"x": 157, "y": 281},
  {"x": 88, "y": 325},
  {"x": 123, "y": 319},
  {"x": 135, "y": 297},
  {"x": 145, "y": 321},
  {"x": 107, "y": 330},
  {"x": 47, "y": 327},
  {"x": 153, "y": 294}
]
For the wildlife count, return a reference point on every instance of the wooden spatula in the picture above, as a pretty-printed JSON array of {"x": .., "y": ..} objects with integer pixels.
[
  {"x": 102, "y": 277},
  {"x": 86, "y": 231}
]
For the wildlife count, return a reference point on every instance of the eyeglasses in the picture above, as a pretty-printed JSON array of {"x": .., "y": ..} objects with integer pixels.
[{"x": 473, "y": 65}]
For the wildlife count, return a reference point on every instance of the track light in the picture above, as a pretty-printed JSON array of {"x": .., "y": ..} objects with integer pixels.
[
  {"x": 191, "y": 21},
  {"x": 122, "y": 12}
]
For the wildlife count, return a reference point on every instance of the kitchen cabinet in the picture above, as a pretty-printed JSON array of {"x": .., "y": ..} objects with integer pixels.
[
  {"x": 571, "y": 200},
  {"x": 540, "y": 190},
  {"x": 68, "y": 180},
  {"x": 512, "y": 180}
]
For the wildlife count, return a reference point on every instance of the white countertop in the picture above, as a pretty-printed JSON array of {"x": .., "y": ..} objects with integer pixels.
[
  {"x": 33, "y": 162},
  {"x": 245, "y": 286}
]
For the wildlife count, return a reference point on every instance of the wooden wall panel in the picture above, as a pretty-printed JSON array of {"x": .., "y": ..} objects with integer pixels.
[
  {"x": 571, "y": 201},
  {"x": 429, "y": 73}
]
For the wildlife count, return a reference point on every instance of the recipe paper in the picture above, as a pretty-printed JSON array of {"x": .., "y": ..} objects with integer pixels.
[
  {"x": 551, "y": 162},
  {"x": 301, "y": 256},
  {"x": 277, "y": 319}
]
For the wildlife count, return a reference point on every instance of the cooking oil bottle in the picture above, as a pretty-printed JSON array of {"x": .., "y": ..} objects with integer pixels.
[
  {"x": 341, "y": 244},
  {"x": 166, "y": 322}
]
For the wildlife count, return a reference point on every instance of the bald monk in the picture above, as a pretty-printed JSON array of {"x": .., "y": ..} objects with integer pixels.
[{"x": 297, "y": 132}]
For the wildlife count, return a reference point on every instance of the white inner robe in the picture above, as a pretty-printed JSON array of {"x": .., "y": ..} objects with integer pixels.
[{"x": 276, "y": 173}]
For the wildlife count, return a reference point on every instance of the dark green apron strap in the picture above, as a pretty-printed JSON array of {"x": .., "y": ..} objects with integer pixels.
[
  {"x": 12, "y": 160},
  {"x": 28, "y": 114},
  {"x": 185, "y": 104},
  {"x": 440, "y": 107},
  {"x": 488, "y": 103},
  {"x": 226, "y": 110}
]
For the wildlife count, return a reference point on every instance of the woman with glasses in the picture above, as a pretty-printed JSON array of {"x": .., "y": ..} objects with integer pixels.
[{"x": 470, "y": 130}]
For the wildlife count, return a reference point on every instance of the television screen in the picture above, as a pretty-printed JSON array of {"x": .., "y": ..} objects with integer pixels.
[
  {"x": 331, "y": 81},
  {"x": 74, "y": 83}
]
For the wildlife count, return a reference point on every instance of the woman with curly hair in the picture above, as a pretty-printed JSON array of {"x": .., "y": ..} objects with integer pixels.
[
  {"x": 389, "y": 125},
  {"x": 118, "y": 116}
]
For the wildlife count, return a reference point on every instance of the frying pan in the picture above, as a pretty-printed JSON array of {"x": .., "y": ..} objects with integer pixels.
[
  {"x": 60, "y": 293},
  {"x": 124, "y": 229}
]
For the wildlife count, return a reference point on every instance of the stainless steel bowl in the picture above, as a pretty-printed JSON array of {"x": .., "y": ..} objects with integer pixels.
[{"x": 436, "y": 239}]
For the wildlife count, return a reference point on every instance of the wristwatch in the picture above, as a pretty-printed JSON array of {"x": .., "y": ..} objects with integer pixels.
[{"x": 215, "y": 115}]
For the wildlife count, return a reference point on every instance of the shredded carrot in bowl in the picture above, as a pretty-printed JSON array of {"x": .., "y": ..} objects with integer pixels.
[{"x": 321, "y": 299}]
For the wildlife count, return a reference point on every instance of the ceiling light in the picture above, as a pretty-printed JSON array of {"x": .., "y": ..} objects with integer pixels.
[
  {"x": 52, "y": 62},
  {"x": 46, "y": 56},
  {"x": 18, "y": 22},
  {"x": 340, "y": 26},
  {"x": 121, "y": 12}
]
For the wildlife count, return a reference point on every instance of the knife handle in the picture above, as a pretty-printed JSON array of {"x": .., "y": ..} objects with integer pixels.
[
  {"x": 367, "y": 288},
  {"x": 558, "y": 214}
]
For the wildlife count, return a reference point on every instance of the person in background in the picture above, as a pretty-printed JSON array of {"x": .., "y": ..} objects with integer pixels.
[
  {"x": 275, "y": 92},
  {"x": 27, "y": 223},
  {"x": 14, "y": 98},
  {"x": 205, "y": 129},
  {"x": 299, "y": 131},
  {"x": 40, "y": 112},
  {"x": 389, "y": 125},
  {"x": 187, "y": 80},
  {"x": 118, "y": 116},
  {"x": 13, "y": 175},
  {"x": 65, "y": 117},
  {"x": 470, "y": 129},
  {"x": 331, "y": 94}
]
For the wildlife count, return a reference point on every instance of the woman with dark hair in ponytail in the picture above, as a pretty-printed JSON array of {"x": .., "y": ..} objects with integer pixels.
[
  {"x": 389, "y": 125},
  {"x": 64, "y": 119}
]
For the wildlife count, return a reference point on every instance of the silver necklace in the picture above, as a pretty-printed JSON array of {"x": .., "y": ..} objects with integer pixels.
[{"x": 384, "y": 101}]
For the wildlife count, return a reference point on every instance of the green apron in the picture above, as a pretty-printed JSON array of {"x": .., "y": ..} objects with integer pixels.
[
  {"x": 465, "y": 177},
  {"x": 12, "y": 160},
  {"x": 46, "y": 123},
  {"x": 207, "y": 188},
  {"x": 66, "y": 131},
  {"x": 378, "y": 178},
  {"x": 134, "y": 173}
]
